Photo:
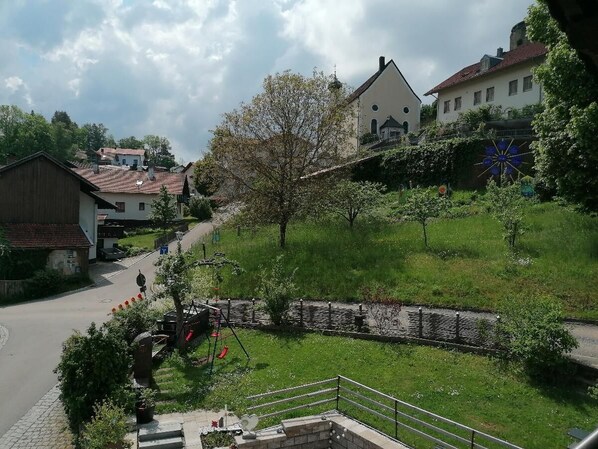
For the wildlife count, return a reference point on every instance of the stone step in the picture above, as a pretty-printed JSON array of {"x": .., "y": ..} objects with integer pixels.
[
  {"x": 165, "y": 443},
  {"x": 157, "y": 430}
]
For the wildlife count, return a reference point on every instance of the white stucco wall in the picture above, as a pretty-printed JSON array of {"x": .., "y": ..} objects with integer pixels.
[
  {"x": 132, "y": 201},
  {"x": 391, "y": 94},
  {"x": 129, "y": 159},
  {"x": 88, "y": 221},
  {"x": 500, "y": 82}
]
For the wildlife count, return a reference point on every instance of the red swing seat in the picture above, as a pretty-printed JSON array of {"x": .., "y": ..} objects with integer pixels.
[{"x": 223, "y": 352}]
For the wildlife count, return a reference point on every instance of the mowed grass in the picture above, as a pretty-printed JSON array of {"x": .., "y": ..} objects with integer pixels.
[
  {"x": 467, "y": 265},
  {"x": 470, "y": 389}
]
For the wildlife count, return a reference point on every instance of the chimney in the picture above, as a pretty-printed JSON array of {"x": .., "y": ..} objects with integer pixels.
[
  {"x": 381, "y": 63},
  {"x": 95, "y": 168},
  {"x": 150, "y": 173},
  {"x": 499, "y": 52}
]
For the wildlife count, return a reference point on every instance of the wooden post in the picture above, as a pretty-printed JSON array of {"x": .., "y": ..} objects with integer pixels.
[
  {"x": 329, "y": 315},
  {"x": 301, "y": 312},
  {"x": 228, "y": 310},
  {"x": 457, "y": 325},
  {"x": 421, "y": 324},
  {"x": 252, "y": 310}
]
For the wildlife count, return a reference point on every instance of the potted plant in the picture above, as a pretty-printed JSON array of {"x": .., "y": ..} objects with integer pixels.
[{"x": 145, "y": 406}]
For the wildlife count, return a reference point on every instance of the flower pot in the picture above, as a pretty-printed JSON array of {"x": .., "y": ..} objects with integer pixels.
[{"x": 144, "y": 414}]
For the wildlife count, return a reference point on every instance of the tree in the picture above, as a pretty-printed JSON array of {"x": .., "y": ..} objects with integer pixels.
[
  {"x": 533, "y": 333},
  {"x": 200, "y": 208},
  {"x": 163, "y": 209},
  {"x": 92, "y": 367},
  {"x": 158, "y": 151},
  {"x": 173, "y": 272},
  {"x": 207, "y": 176},
  {"x": 295, "y": 127},
  {"x": 422, "y": 205},
  {"x": 130, "y": 142},
  {"x": 93, "y": 137},
  {"x": 11, "y": 118},
  {"x": 428, "y": 113},
  {"x": 566, "y": 154},
  {"x": 506, "y": 205},
  {"x": 350, "y": 199}
]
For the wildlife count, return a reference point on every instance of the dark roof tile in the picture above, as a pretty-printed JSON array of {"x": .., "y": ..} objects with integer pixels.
[{"x": 39, "y": 236}]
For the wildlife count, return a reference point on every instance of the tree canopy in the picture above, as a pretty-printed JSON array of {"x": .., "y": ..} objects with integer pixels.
[
  {"x": 267, "y": 147},
  {"x": 566, "y": 153}
]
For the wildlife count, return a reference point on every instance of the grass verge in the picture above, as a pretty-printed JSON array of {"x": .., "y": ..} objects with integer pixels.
[{"x": 467, "y": 388}]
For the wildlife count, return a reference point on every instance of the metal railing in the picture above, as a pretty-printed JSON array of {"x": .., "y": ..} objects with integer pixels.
[{"x": 395, "y": 418}]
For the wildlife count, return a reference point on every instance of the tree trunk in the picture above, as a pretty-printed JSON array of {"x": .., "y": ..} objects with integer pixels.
[
  {"x": 180, "y": 338},
  {"x": 283, "y": 233},
  {"x": 425, "y": 235}
]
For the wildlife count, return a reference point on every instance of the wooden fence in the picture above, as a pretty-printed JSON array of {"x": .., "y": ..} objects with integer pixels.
[{"x": 11, "y": 288}]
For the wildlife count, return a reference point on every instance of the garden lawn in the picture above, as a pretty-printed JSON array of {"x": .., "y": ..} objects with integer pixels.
[
  {"x": 470, "y": 389},
  {"x": 467, "y": 265},
  {"x": 145, "y": 241}
]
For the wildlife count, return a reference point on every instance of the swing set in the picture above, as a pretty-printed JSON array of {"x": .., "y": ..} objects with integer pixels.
[{"x": 219, "y": 322}]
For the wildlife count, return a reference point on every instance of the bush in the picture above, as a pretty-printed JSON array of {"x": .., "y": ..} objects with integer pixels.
[
  {"x": 532, "y": 333},
  {"x": 200, "y": 208},
  {"x": 92, "y": 367},
  {"x": 131, "y": 321},
  {"x": 276, "y": 290},
  {"x": 107, "y": 428},
  {"x": 44, "y": 283}
]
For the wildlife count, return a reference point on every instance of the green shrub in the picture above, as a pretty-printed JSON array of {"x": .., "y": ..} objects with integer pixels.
[
  {"x": 532, "y": 332},
  {"x": 92, "y": 367},
  {"x": 506, "y": 205},
  {"x": 44, "y": 283},
  {"x": 131, "y": 321},
  {"x": 217, "y": 439},
  {"x": 276, "y": 289},
  {"x": 107, "y": 428},
  {"x": 200, "y": 208}
]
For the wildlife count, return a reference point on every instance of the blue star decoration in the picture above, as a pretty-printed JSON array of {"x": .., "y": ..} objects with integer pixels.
[{"x": 503, "y": 157}]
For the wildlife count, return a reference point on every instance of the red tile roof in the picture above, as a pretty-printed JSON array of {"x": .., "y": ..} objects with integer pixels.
[
  {"x": 38, "y": 236},
  {"x": 518, "y": 55},
  {"x": 117, "y": 180}
]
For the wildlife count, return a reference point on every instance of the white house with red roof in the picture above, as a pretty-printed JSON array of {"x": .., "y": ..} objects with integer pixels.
[
  {"x": 385, "y": 98},
  {"x": 133, "y": 191},
  {"x": 122, "y": 156},
  {"x": 504, "y": 79}
]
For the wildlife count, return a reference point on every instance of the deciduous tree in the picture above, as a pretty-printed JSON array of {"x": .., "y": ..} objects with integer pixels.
[
  {"x": 566, "y": 153},
  {"x": 351, "y": 199},
  {"x": 267, "y": 147},
  {"x": 421, "y": 206}
]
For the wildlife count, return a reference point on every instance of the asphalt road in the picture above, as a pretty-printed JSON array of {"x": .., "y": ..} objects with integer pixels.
[{"x": 36, "y": 331}]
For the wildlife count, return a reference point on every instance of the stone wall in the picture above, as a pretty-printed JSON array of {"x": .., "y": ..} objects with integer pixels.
[
  {"x": 456, "y": 328},
  {"x": 316, "y": 432}
]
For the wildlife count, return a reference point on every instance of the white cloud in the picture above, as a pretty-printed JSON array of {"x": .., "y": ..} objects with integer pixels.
[{"x": 172, "y": 67}]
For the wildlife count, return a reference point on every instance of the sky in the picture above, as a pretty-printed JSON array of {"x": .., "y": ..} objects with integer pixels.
[{"x": 173, "y": 67}]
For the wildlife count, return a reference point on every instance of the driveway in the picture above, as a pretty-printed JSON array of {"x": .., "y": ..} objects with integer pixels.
[{"x": 33, "y": 332}]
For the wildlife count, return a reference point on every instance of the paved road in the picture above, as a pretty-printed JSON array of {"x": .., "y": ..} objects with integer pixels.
[{"x": 37, "y": 329}]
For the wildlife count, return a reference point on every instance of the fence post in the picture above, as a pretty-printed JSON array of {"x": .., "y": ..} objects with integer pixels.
[
  {"x": 338, "y": 391},
  {"x": 252, "y": 310},
  {"x": 329, "y": 315},
  {"x": 396, "y": 420},
  {"x": 228, "y": 310},
  {"x": 457, "y": 329},
  {"x": 421, "y": 324},
  {"x": 301, "y": 312},
  {"x": 472, "y": 446}
]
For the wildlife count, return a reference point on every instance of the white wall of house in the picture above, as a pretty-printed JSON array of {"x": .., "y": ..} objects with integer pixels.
[
  {"x": 129, "y": 159},
  {"x": 88, "y": 221},
  {"x": 500, "y": 81},
  {"x": 133, "y": 209},
  {"x": 391, "y": 94}
]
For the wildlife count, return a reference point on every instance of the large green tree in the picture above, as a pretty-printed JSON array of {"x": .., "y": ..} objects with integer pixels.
[
  {"x": 265, "y": 148},
  {"x": 163, "y": 208},
  {"x": 130, "y": 142},
  {"x": 207, "y": 176},
  {"x": 566, "y": 152},
  {"x": 158, "y": 151}
]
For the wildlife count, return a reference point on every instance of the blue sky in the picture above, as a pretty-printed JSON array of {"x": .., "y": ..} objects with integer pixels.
[{"x": 173, "y": 67}]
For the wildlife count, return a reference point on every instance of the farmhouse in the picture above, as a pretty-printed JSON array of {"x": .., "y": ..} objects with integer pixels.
[
  {"x": 504, "y": 79},
  {"x": 48, "y": 209}
]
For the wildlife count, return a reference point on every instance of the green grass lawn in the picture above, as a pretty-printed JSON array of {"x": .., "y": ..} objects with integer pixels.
[
  {"x": 145, "y": 241},
  {"x": 467, "y": 265},
  {"x": 470, "y": 389}
]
